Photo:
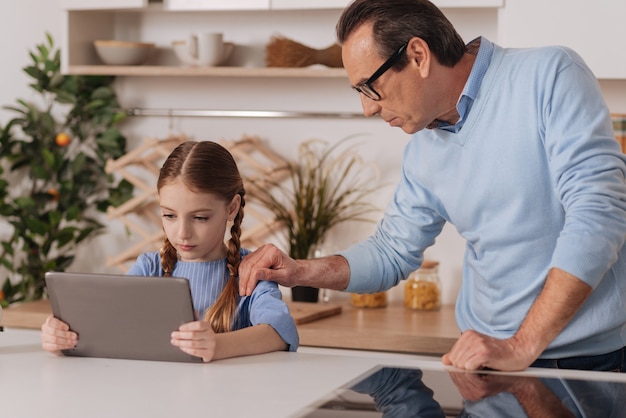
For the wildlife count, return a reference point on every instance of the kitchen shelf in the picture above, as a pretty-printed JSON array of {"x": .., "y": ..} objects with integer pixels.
[{"x": 177, "y": 71}]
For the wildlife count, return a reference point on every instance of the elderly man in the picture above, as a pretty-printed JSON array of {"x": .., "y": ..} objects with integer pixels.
[{"x": 514, "y": 147}]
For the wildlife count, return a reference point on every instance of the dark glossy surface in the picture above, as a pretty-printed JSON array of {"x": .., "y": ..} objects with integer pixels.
[{"x": 406, "y": 392}]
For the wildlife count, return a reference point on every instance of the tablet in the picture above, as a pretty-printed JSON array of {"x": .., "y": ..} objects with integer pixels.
[{"x": 120, "y": 316}]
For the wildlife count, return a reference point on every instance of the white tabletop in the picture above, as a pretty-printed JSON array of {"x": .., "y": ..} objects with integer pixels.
[{"x": 34, "y": 383}]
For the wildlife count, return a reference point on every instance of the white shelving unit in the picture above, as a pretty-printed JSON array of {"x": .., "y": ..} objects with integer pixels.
[
  {"x": 176, "y": 71},
  {"x": 85, "y": 21}
]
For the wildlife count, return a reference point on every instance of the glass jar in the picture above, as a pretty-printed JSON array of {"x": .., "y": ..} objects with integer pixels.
[
  {"x": 422, "y": 290},
  {"x": 369, "y": 300}
]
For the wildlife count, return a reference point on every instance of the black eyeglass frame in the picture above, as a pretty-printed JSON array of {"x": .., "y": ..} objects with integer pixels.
[{"x": 365, "y": 87}]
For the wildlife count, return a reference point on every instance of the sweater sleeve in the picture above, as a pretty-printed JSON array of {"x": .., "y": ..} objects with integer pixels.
[
  {"x": 588, "y": 170},
  {"x": 410, "y": 224},
  {"x": 147, "y": 264},
  {"x": 267, "y": 307}
]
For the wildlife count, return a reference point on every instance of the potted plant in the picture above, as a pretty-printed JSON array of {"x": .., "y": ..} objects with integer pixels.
[
  {"x": 52, "y": 173},
  {"x": 325, "y": 187}
]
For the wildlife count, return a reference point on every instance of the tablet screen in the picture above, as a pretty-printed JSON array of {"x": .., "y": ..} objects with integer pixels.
[{"x": 120, "y": 316}]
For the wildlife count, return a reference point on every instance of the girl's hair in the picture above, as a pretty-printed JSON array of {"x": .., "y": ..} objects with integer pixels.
[
  {"x": 207, "y": 167},
  {"x": 395, "y": 22}
]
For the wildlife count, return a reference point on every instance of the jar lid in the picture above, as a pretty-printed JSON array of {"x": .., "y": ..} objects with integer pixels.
[{"x": 429, "y": 264}]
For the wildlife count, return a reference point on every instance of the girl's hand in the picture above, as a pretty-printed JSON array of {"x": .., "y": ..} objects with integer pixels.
[
  {"x": 197, "y": 339},
  {"x": 56, "y": 336}
]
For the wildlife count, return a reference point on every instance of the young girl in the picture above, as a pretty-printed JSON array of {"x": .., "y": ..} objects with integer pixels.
[{"x": 200, "y": 192}]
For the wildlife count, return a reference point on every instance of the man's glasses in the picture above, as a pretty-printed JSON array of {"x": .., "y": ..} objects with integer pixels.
[{"x": 366, "y": 88}]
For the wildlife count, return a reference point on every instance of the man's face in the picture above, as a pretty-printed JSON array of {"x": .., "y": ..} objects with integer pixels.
[{"x": 403, "y": 94}]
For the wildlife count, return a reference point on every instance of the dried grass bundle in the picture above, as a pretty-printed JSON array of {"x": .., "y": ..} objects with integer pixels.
[{"x": 284, "y": 52}]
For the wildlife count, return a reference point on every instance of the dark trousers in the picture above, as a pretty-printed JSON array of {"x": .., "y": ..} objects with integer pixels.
[{"x": 610, "y": 362}]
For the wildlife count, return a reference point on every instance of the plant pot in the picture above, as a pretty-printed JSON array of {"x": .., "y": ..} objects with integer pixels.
[{"x": 304, "y": 294}]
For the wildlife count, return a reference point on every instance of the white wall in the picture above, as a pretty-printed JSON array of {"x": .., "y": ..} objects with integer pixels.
[
  {"x": 24, "y": 24},
  {"x": 22, "y": 29}
]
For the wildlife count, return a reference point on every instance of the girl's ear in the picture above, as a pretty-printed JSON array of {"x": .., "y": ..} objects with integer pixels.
[{"x": 233, "y": 208}]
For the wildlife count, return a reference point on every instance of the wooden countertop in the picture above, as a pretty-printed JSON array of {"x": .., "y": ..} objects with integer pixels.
[
  {"x": 393, "y": 328},
  {"x": 30, "y": 315}
]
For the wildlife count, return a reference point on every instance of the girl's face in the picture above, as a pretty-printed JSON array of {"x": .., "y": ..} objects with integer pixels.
[{"x": 195, "y": 222}]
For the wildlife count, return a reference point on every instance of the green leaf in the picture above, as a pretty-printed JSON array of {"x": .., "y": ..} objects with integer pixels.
[
  {"x": 43, "y": 50},
  {"x": 118, "y": 117},
  {"x": 49, "y": 39},
  {"x": 78, "y": 163},
  {"x": 65, "y": 236},
  {"x": 34, "y": 72},
  {"x": 24, "y": 202},
  {"x": 103, "y": 92},
  {"x": 36, "y": 226},
  {"x": 8, "y": 248},
  {"x": 122, "y": 193},
  {"x": 85, "y": 233},
  {"x": 56, "y": 80},
  {"x": 95, "y": 104},
  {"x": 63, "y": 262},
  {"x": 65, "y": 97},
  {"x": 72, "y": 213},
  {"x": 6, "y": 210},
  {"x": 55, "y": 217},
  {"x": 40, "y": 172},
  {"x": 48, "y": 124},
  {"x": 6, "y": 263},
  {"x": 16, "y": 109},
  {"x": 48, "y": 157}
]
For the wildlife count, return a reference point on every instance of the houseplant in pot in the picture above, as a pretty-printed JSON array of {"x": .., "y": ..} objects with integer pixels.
[
  {"x": 328, "y": 185},
  {"x": 52, "y": 173}
]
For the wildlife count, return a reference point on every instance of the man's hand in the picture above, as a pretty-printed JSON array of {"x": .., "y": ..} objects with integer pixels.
[
  {"x": 266, "y": 263},
  {"x": 561, "y": 297},
  {"x": 475, "y": 351},
  {"x": 536, "y": 399},
  {"x": 476, "y": 386},
  {"x": 269, "y": 263}
]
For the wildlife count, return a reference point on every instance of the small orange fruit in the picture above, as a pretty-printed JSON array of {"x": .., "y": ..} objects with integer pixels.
[
  {"x": 54, "y": 193},
  {"x": 62, "y": 139}
]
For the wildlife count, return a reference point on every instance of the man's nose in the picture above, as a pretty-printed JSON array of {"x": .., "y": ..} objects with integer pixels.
[{"x": 370, "y": 107}]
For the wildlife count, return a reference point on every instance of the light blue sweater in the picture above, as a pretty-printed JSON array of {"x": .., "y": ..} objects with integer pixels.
[
  {"x": 533, "y": 180},
  {"x": 207, "y": 279}
]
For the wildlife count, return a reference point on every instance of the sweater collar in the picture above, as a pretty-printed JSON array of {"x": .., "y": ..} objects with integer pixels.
[{"x": 484, "y": 53}]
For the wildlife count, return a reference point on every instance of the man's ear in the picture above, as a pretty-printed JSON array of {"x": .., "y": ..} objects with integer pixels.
[{"x": 420, "y": 55}]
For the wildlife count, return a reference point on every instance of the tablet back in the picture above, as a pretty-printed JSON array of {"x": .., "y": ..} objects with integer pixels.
[{"x": 119, "y": 316}]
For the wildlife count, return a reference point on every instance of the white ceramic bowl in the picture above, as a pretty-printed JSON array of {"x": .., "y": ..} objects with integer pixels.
[
  {"x": 123, "y": 53},
  {"x": 181, "y": 49}
]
